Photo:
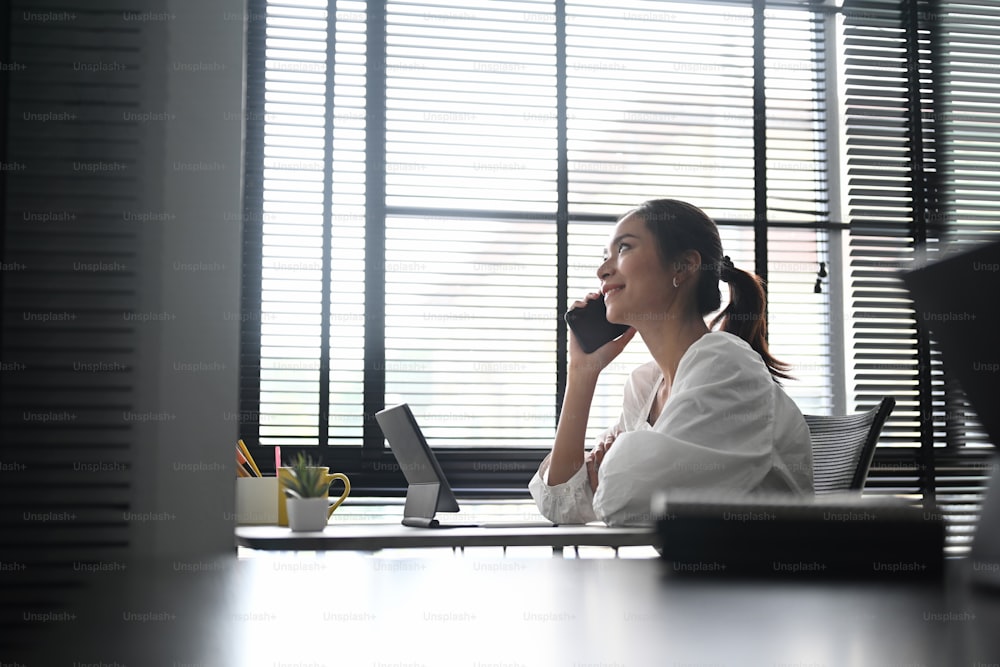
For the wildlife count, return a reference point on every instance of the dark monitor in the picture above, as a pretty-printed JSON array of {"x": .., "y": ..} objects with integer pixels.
[
  {"x": 957, "y": 297},
  {"x": 427, "y": 490}
]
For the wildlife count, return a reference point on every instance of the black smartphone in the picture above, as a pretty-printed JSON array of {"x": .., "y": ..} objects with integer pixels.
[{"x": 591, "y": 327}]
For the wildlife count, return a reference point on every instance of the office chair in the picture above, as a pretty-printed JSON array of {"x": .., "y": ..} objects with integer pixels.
[{"x": 843, "y": 447}]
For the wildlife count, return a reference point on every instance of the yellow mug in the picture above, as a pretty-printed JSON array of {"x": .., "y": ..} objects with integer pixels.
[{"x": 286, "y": 473}]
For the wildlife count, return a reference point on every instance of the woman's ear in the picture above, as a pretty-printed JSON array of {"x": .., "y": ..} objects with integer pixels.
[{"x": 688, "y": 263}]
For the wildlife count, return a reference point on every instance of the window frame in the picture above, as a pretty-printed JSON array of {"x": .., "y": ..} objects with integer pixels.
[{"x": 486, "y": 471}]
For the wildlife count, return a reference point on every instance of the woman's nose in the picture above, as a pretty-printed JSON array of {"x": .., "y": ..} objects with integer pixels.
[{"x": 604, "y": 269}]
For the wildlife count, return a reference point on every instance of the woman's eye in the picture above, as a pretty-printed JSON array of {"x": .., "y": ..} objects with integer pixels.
[{"x": 623, "y": 246}]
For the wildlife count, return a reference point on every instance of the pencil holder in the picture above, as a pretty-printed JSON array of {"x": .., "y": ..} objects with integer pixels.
[{"x": 256, "y": 501}]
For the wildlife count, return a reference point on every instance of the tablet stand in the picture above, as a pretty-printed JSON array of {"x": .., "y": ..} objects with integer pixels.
[{"x": 421, "y": 504}]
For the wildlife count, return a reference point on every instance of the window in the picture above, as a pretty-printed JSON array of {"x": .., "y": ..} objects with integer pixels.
[
  {"x": 429, "y": 185},
  {"x": 920, "y": 110}
]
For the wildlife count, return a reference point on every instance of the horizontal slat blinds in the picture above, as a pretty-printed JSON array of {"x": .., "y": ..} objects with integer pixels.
[
  {"x": 796, "y": 98},
  {"x": 470, "y": 317},
  {"x": 294, "y": 138},
  {"x": 346, "y": 157},
  {"x": 960, "y": 476},
  {"x": 509, "y": 136},
  {"x": 77, "y": 130},
  {"x": 969, "y": 94},
  {"x": 799, "y": 324},
  {"x": 470, "y": 91},
  {"x": 654, "y": 109},
  {"x": 313, "y": 175},
  {"x": 968, "y": 99},
  {"x": 881, "y": 209},
  {"x": 883, "y": 202},
  {"x": 920, "y": 114},
  {"x": 470, "y": 328},
  {"x": 659, "y": 104}
]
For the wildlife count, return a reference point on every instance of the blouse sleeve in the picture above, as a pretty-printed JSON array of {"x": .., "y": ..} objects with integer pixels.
[
  {"x": 572, "y": 501},
  {"x": 567, "y": 503},
  {"x": 716, "y": 432}
]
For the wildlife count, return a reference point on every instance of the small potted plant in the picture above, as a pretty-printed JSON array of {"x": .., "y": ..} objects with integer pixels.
[{"x": 306, "y": 490}]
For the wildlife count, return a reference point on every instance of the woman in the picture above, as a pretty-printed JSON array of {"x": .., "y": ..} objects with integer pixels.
[{"x": 706, "y": 413}]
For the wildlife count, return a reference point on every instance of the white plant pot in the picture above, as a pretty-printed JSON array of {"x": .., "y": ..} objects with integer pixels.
[{"x": 307, "y": 514}]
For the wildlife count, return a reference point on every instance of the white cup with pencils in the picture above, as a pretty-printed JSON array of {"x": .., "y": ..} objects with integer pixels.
[{"x": 256, "y": 495}]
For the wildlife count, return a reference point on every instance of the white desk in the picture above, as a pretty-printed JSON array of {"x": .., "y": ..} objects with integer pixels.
[
  {"x": 373, "y": 537},
  {"x": 371, "y": 525}
]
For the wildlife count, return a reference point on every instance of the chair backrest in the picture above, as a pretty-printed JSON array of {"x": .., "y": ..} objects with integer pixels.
[{"x": 843, "y": 447}]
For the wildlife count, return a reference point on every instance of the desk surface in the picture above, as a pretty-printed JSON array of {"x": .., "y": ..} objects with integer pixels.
[
  {"x": 372, "y": 537},
  {"x": 368, "y": 524},
  {"x": 335, "y": 609}
]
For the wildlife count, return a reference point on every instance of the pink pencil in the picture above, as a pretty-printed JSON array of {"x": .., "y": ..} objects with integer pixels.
[{"x": 277, "y": 460}]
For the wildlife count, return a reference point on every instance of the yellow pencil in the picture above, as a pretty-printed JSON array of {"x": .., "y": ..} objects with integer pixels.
[{"x": 246, "y": 452}]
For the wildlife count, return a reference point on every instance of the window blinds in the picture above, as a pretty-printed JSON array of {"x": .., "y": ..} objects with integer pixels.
[
  {"x": 660, "y": 100},
  {"x": 470, "y": 293},
  {"x": 444, "y": 192},
  {"x": 884, "y": 137},
  {"x": 470, "y": 93},
  {"x": 77, "y": 126},
  {"x": 310, "y": 113},
  {"x": 660, "y": 104},
  {"x": 968, "y": 99},
  {"x": 918, "y": 109}
]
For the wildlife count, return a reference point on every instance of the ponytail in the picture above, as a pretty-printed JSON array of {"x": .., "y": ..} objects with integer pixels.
[
  {"x": 746, "y": 315},
  {"x": 679, "y": 226}
]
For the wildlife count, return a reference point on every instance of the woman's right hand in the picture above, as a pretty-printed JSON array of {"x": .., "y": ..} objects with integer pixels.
[{"x": 598, "y": 360}]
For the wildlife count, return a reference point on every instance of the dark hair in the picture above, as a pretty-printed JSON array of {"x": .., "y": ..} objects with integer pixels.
[{"x": 678, "y": 227}]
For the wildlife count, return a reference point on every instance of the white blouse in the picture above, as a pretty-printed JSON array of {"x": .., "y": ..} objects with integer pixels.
[{"x": 726, "y": 425}]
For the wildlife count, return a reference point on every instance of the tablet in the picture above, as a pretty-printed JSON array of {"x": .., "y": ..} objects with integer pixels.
[{"x": 428, "y": 491}]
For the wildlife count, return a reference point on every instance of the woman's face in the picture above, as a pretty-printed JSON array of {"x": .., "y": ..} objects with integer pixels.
[{"x": 636, "y": 285}]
